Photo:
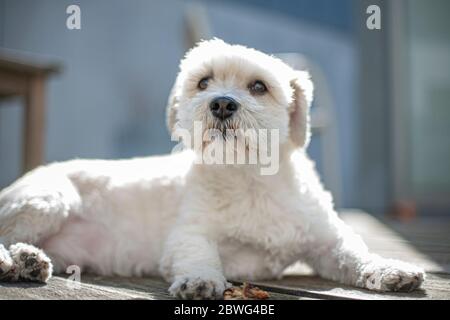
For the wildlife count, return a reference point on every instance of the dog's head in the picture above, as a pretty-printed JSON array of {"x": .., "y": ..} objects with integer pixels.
[{"x": 225, "y": 86}]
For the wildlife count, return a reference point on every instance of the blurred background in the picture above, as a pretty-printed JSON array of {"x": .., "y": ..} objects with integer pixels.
[{"x": 381, "y": 117}]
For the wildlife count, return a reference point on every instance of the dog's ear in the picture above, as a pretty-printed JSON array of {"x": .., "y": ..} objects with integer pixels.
[
  {"x": 299, "y": 127},
  {"x": 172, "y": 106}
]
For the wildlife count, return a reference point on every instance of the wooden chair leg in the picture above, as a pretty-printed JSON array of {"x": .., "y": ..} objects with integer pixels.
[{"x": 33, "y": 153}]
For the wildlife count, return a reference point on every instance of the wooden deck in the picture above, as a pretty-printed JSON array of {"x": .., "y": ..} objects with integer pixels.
[{"x": 424, "y": 242}]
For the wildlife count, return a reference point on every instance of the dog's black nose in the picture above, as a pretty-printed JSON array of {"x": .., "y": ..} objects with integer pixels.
[{"x": 223, "y": 107}]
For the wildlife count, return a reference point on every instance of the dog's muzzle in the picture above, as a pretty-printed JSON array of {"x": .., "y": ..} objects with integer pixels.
[{"x": 223, "y": 107}]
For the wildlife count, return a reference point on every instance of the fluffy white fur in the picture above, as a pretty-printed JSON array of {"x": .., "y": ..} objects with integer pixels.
[{"x": 198, "y": 225}]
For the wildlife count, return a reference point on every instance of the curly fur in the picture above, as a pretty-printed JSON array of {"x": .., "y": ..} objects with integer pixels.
[{"x": 199, "y": 225}]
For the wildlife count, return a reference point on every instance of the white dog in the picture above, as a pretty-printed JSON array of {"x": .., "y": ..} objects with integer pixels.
[{"x": 195, "y": 224}]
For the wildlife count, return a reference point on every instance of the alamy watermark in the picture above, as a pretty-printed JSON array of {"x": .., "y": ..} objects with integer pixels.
[
  {"x": 73, "y": 21},
  {"x": 373, "y": 21},
  {"x": 74, "y": 280},
  {"x": 259, "y": 147}
]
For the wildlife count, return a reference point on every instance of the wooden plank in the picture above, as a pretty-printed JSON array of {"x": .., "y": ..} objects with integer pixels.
[
  {"x": 91, "y": 288},
  {"x": 289, "y": 288},
  {"x": 400, "y": 241},
  {"x": 150, "y": 288},
  {"x": 34, "y": 137},
  {"x": 98, "y": 288},
  {"x": 156, "y": 287},
  {"x": 12, "y": 83},
  {"x": 26, "y": 63},
  {"x": 57, "y": 289},
  {"x": 436, "y": 286}
]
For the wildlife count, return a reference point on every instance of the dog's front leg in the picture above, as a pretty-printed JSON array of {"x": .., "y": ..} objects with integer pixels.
[
  {"x": 337, "y": 253},
  {"x": 191, "y": 263}
]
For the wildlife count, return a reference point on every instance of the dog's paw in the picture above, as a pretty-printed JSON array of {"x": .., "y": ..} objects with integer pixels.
[
  {"x": 6, "y": 263},
  {"x": 392, "y": 275},
  {"x": 198, "y": 287},
  {"x": 30, "y": 263}
]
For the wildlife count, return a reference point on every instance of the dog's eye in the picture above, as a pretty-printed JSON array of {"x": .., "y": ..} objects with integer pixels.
[
  {"x": 257, "y": 87},
  {"x": 203, "y": 84}
]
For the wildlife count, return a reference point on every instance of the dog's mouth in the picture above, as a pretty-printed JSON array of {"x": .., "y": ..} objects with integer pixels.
[
  {"x": 226, "y": 129},
  {"x": 227, "y": 124},
  {"x": 228, "y": 132}
]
